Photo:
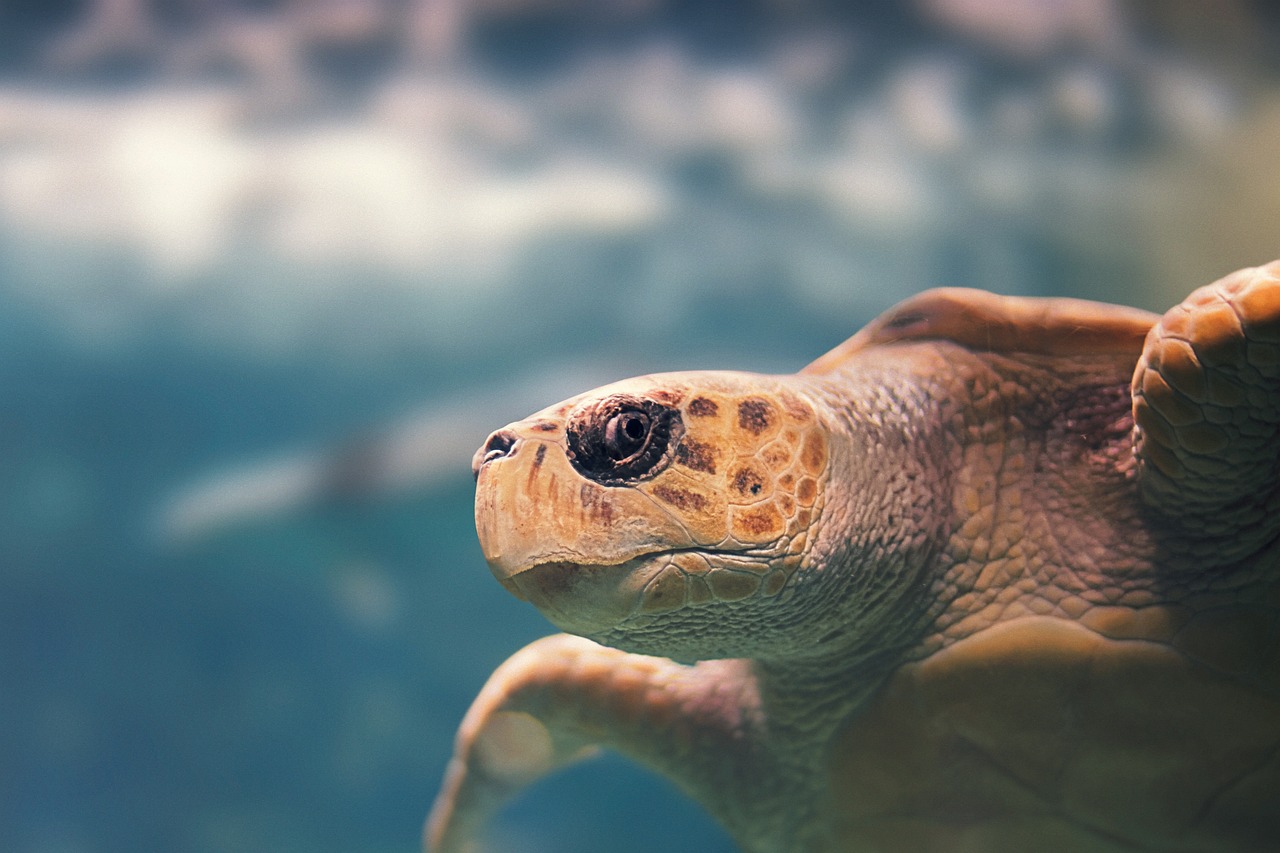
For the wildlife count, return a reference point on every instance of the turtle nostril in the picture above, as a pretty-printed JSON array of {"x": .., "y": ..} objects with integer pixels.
[{"x": 500, "y": 444}]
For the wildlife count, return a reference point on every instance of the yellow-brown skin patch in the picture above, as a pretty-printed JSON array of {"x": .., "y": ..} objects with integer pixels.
[
  {"x": 693, "y": 454},
  {"x": 741, "y": 475},
  {"x": 682, "y": 500},
  {"x": 702, "y": 407},
  {"x": 756, "y": 415}
]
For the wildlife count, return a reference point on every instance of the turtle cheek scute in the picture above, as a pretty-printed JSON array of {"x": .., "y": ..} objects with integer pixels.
[
  {"x": 696, "y": 503},
  {"x": 757, "y": 525}
]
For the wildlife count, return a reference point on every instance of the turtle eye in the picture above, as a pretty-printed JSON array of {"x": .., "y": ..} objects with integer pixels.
[
  {"x": 622, "y": 439},
  {"x": 625, "y": 434}
]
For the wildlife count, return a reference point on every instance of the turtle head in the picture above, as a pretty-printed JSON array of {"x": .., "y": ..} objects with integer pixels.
[{"x": 656, "y": 508}]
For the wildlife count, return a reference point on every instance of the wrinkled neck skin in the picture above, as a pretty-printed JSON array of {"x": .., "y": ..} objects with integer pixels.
[
  {"x": 883, "y": 530},
  {"x": 973, "y": 488},
  {"x": 855, "y": 609}
]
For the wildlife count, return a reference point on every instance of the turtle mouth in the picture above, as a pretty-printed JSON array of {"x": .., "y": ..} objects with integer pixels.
[
  {"x": 585, "y": 598},
  {"x": 588, "y": 598}
]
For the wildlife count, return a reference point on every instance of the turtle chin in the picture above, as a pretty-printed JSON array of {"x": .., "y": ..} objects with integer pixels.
[{"x": 588, "y": 600}]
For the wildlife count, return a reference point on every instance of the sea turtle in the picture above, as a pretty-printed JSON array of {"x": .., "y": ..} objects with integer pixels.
[{"x": 992, "y": 575}]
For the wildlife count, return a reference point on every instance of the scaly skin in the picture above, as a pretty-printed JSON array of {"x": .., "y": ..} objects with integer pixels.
[
  {"x": 1206, "y": 405},
  {"x": 936, "y": 599}
]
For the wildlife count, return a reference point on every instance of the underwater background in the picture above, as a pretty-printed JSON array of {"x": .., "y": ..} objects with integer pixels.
[{"x": 270, "y": 271}]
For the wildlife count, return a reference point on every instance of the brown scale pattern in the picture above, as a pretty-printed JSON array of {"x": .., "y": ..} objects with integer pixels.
[
  {"x": 1206, "y": 403},
  {"x": 759, "y": 477}
]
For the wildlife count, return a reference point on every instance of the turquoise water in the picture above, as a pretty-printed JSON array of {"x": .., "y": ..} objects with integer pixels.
[
  {"x": 325, "y": 289},
  {"x": 291, "y": 684}
]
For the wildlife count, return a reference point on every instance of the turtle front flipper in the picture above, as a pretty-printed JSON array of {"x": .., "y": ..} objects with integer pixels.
[
  {"x": 1206, "y": 406},
  {"x": 561, "y": 697}
]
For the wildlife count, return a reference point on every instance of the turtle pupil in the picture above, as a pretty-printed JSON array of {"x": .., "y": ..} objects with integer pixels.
[
  {"x": 622, "y": 439},
  {"x": 625, "y": 434}
]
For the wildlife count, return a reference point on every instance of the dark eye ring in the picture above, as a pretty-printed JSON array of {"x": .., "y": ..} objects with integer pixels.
[
  {"x": 622, "y": 439},
  {"x": 626, "y": 434}
]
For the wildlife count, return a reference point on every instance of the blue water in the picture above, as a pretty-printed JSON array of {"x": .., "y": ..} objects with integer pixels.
[{"x": 292, "y": 685}]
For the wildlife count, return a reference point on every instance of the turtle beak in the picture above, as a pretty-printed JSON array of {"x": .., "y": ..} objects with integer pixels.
[{"x": 573, "y": 548}]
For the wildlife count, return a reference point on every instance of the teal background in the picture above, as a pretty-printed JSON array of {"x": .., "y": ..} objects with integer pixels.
[{"x": 354, "y": 238}]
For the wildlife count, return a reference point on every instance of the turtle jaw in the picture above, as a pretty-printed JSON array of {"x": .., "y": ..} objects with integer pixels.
[
  {"x": 588, "y": 600},
  {"x": 598, "y": 601}
]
